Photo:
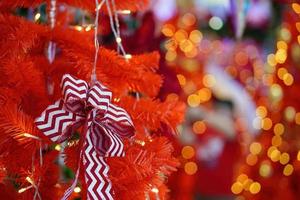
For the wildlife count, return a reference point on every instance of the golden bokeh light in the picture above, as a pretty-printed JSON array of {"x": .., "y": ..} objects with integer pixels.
[
  {"x": 199, "y": 127},
  {"x": 237, "y": 188},
  {"x": 265, "y": 169},
  {"x": 242, "y": 178},
  {"x": 281, "y": 72},
  {"x": 191, "y": 54},
  {"x": 296, "y": 7},
  {"x": 171, "y": 45},
  {"x": 186, "y": 45},
  {"x": 275, "y": 155},
  {"x": 276, "y": 91},
  {"x": 247, "y": 184},
  {"x": 205, "y": 94},
  {"x": 190, "y": 168},
  {"x": 281, "y": 56},
  {"x": 255, "y": 188},
  {"x": 255, "y": 148},
  {"x": 270, "y": 150},
  {"x": 298, "y": 26},
  {"x": 282, "y": 45},
  {"x": 171, "y": 56},
  {"x": 180, "y": 35},
  {"x": 266, "y": 123},
  {"x": 261, "y": 111},
  {"x": 289, "y": 113},
  {"x": 288, "y": 170},
  {"x": 168, "y": 30},
  {"x": 288, "y": 79},
  {"x": 271, "y": 60},
  {"x": 298, "y": 156},
  {"x": 195, "y": 36},
  {"x": 188, "y": 19},
  {"x": 297, "y": 118},
  {"x": 188, "y": 152},
  {"x": 193, "y": 100},
  {"x": 284, "y": 158},
  {"x": 278, "y": 129}
]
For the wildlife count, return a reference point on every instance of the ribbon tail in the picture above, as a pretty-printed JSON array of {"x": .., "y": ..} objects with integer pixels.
[{"x": 96, "y": 173}]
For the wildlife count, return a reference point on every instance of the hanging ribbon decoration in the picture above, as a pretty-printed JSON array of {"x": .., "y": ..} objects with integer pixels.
[
  {"x": 104, "y": 127},
  {"x": 105, "y": 124}
]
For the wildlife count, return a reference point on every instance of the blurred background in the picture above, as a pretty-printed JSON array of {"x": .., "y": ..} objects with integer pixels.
[{"x": 235, "y": 63}]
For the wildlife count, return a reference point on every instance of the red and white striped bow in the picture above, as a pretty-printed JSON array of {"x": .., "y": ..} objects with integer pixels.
[{"x": 104, "y": 126}]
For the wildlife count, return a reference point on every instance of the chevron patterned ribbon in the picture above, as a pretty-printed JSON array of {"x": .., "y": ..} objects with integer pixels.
[{"x": 105, "y": 125}]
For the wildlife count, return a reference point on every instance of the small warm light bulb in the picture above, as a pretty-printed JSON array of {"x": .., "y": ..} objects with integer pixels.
[
  {"x": 128, "y": 56},
  {"x": 140, "y": 142},
  {"x": 22, "y": 190},
  {"x": 154, "y": 190},
  {"x": 88, "y": 28},
  {"x": 124, "y": 12},
  {"x": 37, "y": 16},
  {"x": 77, "y": 189},
  {"x": 29, "y": 180},
  {"x": 98, "y": 7},
  {"x": 119, "y": 40},
  {"x": 30, "y": 136},
  {"x": 116, "y": 99},
  {"x": 78, "y": 28},
  {"x": 255, "y": 187},
  {"x": 57, "y": 147},
  {"x": 27, "y": 135}
]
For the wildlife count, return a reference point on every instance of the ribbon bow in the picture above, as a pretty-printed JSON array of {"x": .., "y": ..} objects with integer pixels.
[{"x": 104, "y": 126}]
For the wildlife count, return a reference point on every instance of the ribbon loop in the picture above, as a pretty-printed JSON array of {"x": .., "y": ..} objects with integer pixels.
[
  {"x": 99, "y": 97},
  {"x": 74, "y": 93}
]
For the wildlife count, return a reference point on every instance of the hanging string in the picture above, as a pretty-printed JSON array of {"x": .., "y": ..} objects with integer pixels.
[
  {"x": 113, "y": 28},
  {"x": 117, "y": 21},
  {"x": 96, "y": 42},
  {"x": 52, "y": 46}
]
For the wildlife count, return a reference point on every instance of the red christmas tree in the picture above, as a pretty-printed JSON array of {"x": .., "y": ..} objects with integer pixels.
[{"x": 30, "y": 82}]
